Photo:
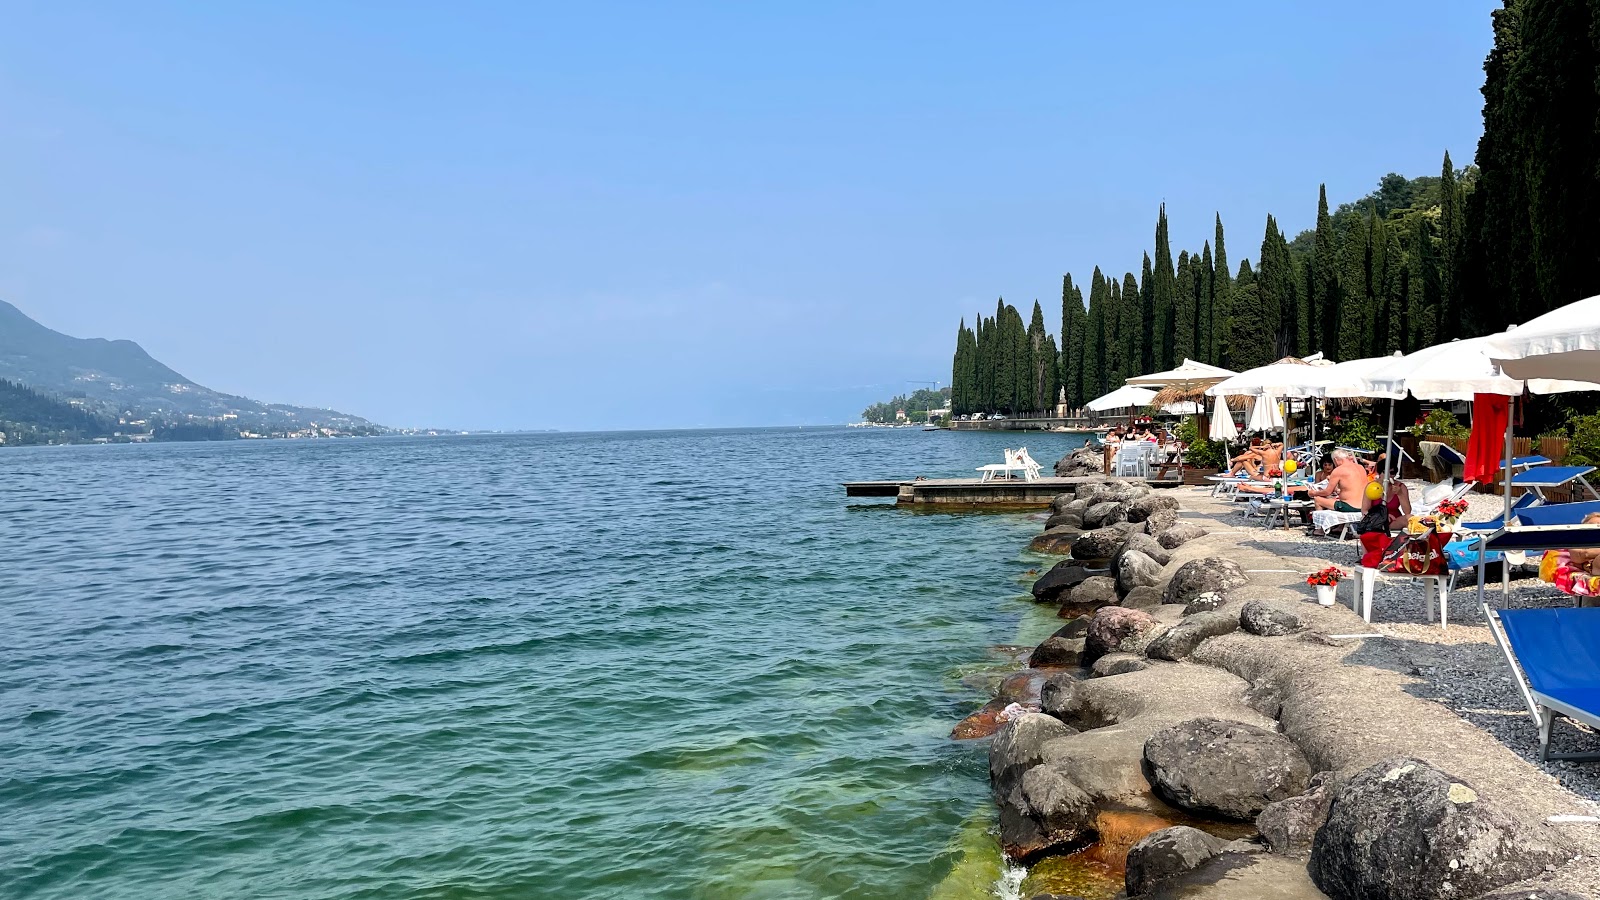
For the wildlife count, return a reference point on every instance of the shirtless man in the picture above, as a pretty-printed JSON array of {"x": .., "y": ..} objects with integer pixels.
[
  {"x": 1248, "y": 462},
  {"x": 1346, "y": 490},
  {"x": 1271, "y": 456}
]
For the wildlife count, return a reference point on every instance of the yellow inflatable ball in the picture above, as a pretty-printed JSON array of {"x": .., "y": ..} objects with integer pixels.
[
  {"x": 1289, "y": 466},
  {"x": 1374, "y": 491}
]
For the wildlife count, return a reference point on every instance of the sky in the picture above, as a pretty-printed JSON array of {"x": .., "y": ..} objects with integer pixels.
[{"x": 510, "y": 215}]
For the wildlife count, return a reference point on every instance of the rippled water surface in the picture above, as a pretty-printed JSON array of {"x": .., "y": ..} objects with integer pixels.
[{"x": 650, "y": 664}]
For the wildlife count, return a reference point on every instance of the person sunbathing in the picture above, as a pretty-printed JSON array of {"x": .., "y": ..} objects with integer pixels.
[
  {"x": 1576, "y": 571},
  {"x": 1249, "y": 462},
  {"x": 1346, "y": 490}
]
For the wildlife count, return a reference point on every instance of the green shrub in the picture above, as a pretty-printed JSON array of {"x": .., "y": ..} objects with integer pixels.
[
  {"x": 1584, "y": 449},
  {"x": 1356, "y": 431},
  {"x": 1203, "y": 453},
  {"x": 1441, "y": 422}
]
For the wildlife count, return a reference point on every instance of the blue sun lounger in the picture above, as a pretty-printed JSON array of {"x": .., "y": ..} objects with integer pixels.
[
  {"x": 1554, "y": 656},
  {"x": 1538, "y": 478}
]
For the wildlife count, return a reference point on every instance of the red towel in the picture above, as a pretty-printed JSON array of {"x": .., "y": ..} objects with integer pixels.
[{"x": 1489, "y": 415}]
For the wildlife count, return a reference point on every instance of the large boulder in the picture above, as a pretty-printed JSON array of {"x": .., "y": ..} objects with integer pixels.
[
  {"x": 1135, "y": 569},
  {"x": 1269, "y": 619},
  {"x": 1145, "y": 544},
  {"x": 1210, "y": 600},
  {"x": 1104, "y": 513},
  {"x": 1182, "y": 533},
  {"x": 1058, "y": 541},
  {"x": 1060, "y": 812},
  {"x": 1060, "y": 503},
  {"x": 1140, "y": 509},
  {"x": 1162, "y": 854},
  {"x": 1141, "y": 597},
  {"x": 1094, "y": 592},
  {"x": 1070, "y": 519},
  {"x": 1179, "y": 641},
  {"x": 1404, "y": 829},
  {"x": 1057, "y": 652},
  {"x": 1115, "y": 629},
  {"x": 1197, "y": 576},
  {"x": 1062, "y": 577},
  {"x": 1118, "y": 664},
  {"x": 1160, "y": 520},
  {"x": 1227, "y": 769},
  {"x": 1289, "y": 825},
  {"x": 1082, "y": 461},
  {"x": 1019, "y": 746},
  {"x": 1055, "y": 697},
  {"x": 1097, "y": 545}
]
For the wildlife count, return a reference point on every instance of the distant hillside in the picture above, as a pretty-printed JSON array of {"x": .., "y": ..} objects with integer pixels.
[
  {"x": 30, "y": 417},
  {"x": 119, "y": 378}
]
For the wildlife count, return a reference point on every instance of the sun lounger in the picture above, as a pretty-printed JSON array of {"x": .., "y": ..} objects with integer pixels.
[
  {"x": 1538, "y": 478},
  {"x": 1524, "y": 462},
  {"x": 1554, "y": 655},
  {"x": 1499, "y": 522},
  {"x": 1326, "y": 520},
  {"x": 1013, "y": 463},
  {"x": 1556, "y": 513}
]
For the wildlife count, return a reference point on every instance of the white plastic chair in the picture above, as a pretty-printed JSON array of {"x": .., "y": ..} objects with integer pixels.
[
  {"x": 1030, "y": 466},
  {"x": 1132, "y": 459}
]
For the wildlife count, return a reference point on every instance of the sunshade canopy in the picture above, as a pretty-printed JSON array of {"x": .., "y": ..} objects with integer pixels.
[
  {"x": 1561, "y": 344},
  {"x": 1121, "y": 398},
  {"x": 1191, "y": 375},
  {"x": 1274, "y": 379},
  {"x": 1222, "y": 427}
]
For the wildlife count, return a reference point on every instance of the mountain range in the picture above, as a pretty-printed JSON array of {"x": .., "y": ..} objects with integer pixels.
[{"x": 117, "y": 378}]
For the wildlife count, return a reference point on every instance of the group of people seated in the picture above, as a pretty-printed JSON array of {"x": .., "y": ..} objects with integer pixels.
[
  {"x": 1145, "y": 432},
  {"x": 1340, "y": 483}
]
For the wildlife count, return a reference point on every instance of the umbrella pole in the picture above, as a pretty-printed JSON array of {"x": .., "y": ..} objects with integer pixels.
[
  {"x": 1388, "y": 455},
  {"x": 1511, "y": 416}
]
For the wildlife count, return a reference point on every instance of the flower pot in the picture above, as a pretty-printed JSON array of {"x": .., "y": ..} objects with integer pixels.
[{"x": 1327, "y": 593}]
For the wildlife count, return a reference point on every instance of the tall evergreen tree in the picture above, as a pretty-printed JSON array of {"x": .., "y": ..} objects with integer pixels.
[
  {"x": 1130, "y": 331},
  {"x": 958, "y": 370},
  {"x": 1041, "y": 363},
  {"x": 1355, "y": 260},
  {"x": 1221, "y": 304},
  {"x": 1319, "y": 326},
  {"x": 1423, "y": 311},
  {"x": 1392, "y": 318},
  {"x": 1252, "y": 330},
  {"x": 1094, "y": 342},
  {"x": 1071, "y": 342},
  {"x": 1110, "y": 325},
  {"x": 1204, "y": 338},
  {"x": 1147, "y": 319},
  {"x": 1275, "y": 285},
  {"x": 1022, "y": 364},
  {"x": 1183, "y": 311},
  {"x": 1164, "y": 295},
  {"x": 1452, "y": 230}
]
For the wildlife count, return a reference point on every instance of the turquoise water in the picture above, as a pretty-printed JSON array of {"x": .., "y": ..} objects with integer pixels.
[{"x": 665, "y": 664}]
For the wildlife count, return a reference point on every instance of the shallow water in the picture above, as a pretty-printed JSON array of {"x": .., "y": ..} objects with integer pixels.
[{"x": 669, "y": 664}]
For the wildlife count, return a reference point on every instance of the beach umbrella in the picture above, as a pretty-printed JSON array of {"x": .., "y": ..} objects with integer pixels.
[
  {"x": 1121, "y": 398},
  {"x": 1222, "y": 427},
  {"x": 1561, "y": 344},
  {"x": 1184, "y": 383},
  {"x": 1274, "y": 379},
  {"x": 1264, "y": 414}
]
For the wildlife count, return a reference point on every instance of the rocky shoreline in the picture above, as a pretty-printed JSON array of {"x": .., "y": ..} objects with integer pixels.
[{"x": 1195, "y": 680}]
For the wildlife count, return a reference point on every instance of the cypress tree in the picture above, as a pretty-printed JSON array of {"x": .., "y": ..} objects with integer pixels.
[
  {"x": 1250, "y": 331},
  {"x": 1022, "y": 364},
  {"x": 1052, "y": 387},
  {"x": 1129, "y": 331},
  {"x": 1083, "y": 342},
  {"x": 1355, "y": 259},
  {"x": 1041, "y": 365},
  {"x": 1392, "y": 319},
  {"x": 984, "y": 382},
  {"x": 1452, "y": 228},
  {"x": 1147, "y": 319},
  {"x": 1322, "y": 302},
  {"x": 1221, "y": 304},
  {"x": 1164, "y": 295},
  {"x": 958, "y": 368},
  {"x": 1005, "y": 352},
  {"x": 1276, "y": 290},
  {"x": 1183, "y": 311},
  {"x": 1110, "y": 324},
  {"x": 1423, "y": 314},
  {"x": 1094, "y": 343},
  {"x": 1205, "y": 337},
  {"x": 1071, "y": 353}
]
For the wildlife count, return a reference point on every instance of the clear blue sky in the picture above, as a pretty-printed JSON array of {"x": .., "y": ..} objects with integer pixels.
[{"x": 596, "y": 215}]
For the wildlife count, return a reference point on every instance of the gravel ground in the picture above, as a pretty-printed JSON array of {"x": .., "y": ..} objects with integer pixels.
[{"x": 1460, "y": 667}]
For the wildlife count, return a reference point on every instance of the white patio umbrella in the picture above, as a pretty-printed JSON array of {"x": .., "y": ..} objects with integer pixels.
[
  {"x": 1561, "y": 344},
  {"x": 1222, "y": 427},
  {"x": 1264, "y": 414},
  {"x": 1121, "y": 398}
]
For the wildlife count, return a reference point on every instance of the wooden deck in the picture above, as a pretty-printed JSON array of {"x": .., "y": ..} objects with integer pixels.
[{"x": 1014, "y": 493}]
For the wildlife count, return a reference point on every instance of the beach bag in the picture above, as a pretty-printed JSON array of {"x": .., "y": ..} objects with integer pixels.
[{"x": 1374, "y": 521}]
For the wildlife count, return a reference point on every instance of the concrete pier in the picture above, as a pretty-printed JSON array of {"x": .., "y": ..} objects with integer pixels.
[{"x": 1013, "y": 493}]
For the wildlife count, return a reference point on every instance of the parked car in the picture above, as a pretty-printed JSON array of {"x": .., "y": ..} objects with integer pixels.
[{"x": 996, "y": 417}]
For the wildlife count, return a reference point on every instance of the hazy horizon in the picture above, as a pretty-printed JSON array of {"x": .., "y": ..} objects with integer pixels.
[{"x": 629, "y": 217}]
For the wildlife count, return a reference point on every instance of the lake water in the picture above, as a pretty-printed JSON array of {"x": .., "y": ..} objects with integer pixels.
[{"x": 648, "y": 664}]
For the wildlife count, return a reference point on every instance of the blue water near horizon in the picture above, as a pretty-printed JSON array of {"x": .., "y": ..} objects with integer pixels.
[{"x": 666, "y": 664}]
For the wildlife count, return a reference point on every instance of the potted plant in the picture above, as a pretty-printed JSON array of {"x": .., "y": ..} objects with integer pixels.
[
  {"x": 1326, "y": 582},
  {"x": 1449, "y": 512}
]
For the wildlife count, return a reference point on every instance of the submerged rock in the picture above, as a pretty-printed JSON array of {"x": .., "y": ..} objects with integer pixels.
[
  {"x": 1180, "y": 640},
  {"x": 1216, "y": 574},
  {"x": 1227, "y": 769},
  {"x": 1268, "y": 619},
  {"x": 1062, "y": 577},
  {"x": 1058, "y": 540},
  {"x": 1057, "y": 520},
  {"x": 1165, "y": 853},
  {"x": 1403, "y": 828}
]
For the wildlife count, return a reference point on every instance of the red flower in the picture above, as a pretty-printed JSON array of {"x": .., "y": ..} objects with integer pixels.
[{"x": 1329, "y": 576}]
